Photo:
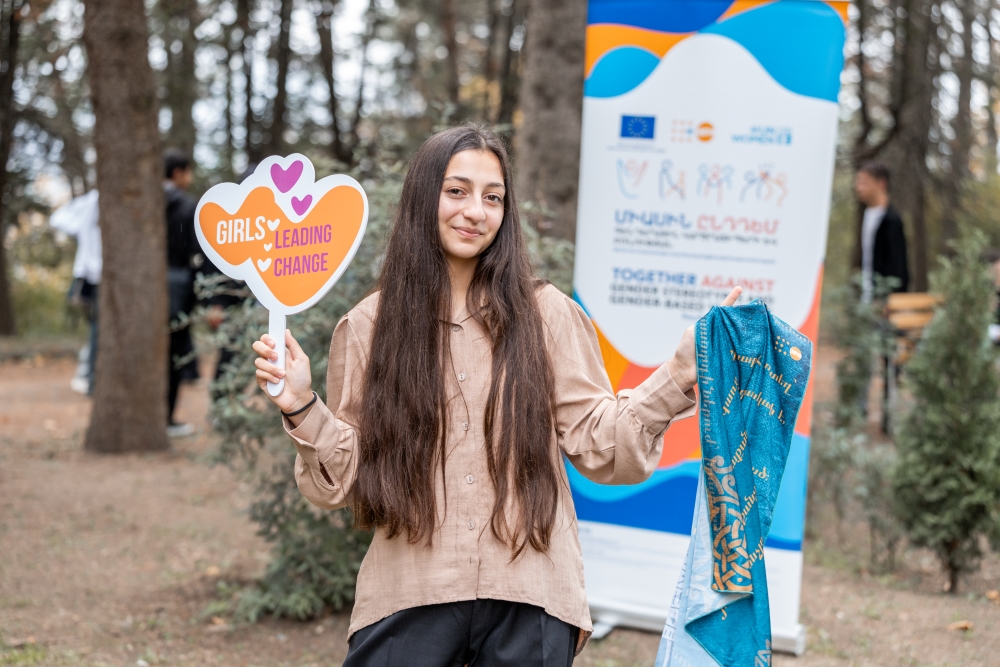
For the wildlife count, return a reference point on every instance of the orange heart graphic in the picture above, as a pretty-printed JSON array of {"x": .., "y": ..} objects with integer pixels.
[
  {"x": 287, "y": 235},
  {"x": 294, "y": 259}
]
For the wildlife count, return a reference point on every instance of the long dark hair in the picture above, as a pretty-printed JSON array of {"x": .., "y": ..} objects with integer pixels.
[{"x": 403, "y": 408}]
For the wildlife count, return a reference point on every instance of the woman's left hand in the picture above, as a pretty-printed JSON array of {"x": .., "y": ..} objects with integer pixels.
[{"x": 684, "y": 366}]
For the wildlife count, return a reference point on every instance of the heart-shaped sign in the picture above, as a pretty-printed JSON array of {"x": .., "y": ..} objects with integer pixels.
[{"x": 287, "y": 235}]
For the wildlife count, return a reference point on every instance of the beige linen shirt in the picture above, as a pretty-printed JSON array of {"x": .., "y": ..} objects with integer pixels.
[{"x": 610, "y": 439}]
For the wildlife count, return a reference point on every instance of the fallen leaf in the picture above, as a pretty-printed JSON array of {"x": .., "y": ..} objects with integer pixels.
[
  {"x": 993, "y": 595},
  {"x": 212, "y": 571},
  {"x": 961, "y": 625},
  {"x": 218, "y": 620}
]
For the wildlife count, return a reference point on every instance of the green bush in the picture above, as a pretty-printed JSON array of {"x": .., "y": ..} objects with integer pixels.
[
  {"x": 863, "y": 335},
  {"x": 947, "y": 481},
  {"x": 874, "y": 467},
  {"x": 41, "y": 262}
]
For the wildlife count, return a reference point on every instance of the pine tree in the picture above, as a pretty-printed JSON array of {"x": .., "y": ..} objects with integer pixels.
[{"x": 947, "y": 483}]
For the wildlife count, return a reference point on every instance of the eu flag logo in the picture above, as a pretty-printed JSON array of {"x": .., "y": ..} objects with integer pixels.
[{"x": 638, "y": 127}]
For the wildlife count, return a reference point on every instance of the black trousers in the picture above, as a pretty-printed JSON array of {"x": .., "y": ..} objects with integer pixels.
[{"x": 478, "y": 633}]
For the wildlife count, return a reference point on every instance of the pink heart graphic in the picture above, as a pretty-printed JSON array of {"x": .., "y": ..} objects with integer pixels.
[
  {"x": 285, "y": 179},
  {"x": 301, "y": 205}
]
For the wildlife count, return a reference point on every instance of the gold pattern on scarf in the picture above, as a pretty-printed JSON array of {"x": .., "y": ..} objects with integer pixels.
[{"x": 731, "y": 560}]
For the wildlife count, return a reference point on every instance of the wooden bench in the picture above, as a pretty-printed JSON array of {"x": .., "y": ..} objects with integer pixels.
[{"x": 908, "y": 313}]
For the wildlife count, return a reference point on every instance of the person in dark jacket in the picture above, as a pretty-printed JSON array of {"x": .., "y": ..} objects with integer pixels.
[
  {"x": 182, "y": 245},
  {"x": 883, "y": 242},
  {"x": 883, "y": 252}
]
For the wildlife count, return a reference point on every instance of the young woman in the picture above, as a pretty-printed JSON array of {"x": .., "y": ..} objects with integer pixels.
[{"x": 453, "y": 393}]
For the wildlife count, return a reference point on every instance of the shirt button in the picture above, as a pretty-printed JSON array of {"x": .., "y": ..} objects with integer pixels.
[
  {"x": 470, "y": 479},
  {"x": 465, "y": 426},
  {"x": 461, "y": 377},
  {"x": 455, "y": 327},
  {"x": 471, "y": 525}
]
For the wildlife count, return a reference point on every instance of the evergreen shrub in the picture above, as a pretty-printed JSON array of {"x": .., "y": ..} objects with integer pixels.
[{"x": 947, "y": 480}]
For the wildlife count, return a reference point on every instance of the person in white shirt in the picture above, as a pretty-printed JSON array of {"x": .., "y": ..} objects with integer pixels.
[{"x": 79, "y": 218}]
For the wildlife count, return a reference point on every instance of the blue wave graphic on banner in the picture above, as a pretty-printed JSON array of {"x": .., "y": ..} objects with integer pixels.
[
  {"x": 620, "y": 71},
  {"x": 675, "y": 16},
  {"x": 800, "y": 44},
  {"x": 809, "y": 54},
  {"x": 665, "y": 502}
]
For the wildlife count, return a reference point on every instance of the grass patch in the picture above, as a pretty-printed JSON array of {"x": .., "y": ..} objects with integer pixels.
[{"x": 29, "y": 654}]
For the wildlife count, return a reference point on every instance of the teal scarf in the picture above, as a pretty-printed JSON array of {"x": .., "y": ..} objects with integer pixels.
[{"x": 752, "y": 374}]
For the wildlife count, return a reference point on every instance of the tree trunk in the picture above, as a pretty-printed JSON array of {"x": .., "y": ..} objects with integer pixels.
[
  {"x": 182, "y": 84},
  {"x": 366, "y": 38},
  {"x": 251, "y": 142},
  {"x": 990, "y": 157},
  {"x": 276, "y": 141},
  {"x": 509, "y": 79},
  {"x": 489, "y": 58},
  {"x": 227, "y": 150},
  {"x": 913, "y": 82},
  {"x": 327, "y": 56},
  {"x": 130, "y": 392},
  {"x": 74, "y": 161},
  {"x": 962, "y": 124},
  {"x": 10, "y": 25},
  {"x": 862, "y": 150},
  {"x": 450, "y": 41},
  {"x": 551, "y": 99}
]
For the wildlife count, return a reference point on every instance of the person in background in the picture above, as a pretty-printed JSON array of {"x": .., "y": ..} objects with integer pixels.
[
  {"x": 217, "y": 304},
  {"x": 883, "y": 251},
  {"x": 883, "y": 241},
  {"x": 182, "y": 245},
  {"x": 79, "y": 218}
]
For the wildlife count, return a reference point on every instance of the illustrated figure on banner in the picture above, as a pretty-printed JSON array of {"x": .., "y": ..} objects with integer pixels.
[
  {"x": 714, "y": 179},
  {"x": 764, "y": 184},
  {"x": 668, "y": 185},
  {"x": 630, "y": 173}
]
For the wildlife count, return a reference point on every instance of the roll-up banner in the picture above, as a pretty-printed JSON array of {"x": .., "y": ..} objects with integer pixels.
[{"x": 709, "y": 131}]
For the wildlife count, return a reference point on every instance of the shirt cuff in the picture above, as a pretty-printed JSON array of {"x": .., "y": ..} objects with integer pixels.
[
  {"x": 659, "y": 400},
  {"x": 315, "y": 428}
]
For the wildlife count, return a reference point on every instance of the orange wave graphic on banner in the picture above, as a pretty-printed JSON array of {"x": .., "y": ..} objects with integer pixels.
[
  {"x": 605, "y": 37},
  {"x": 841, "y": 8}
]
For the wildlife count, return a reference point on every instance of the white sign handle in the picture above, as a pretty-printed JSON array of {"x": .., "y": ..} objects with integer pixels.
[{"x": 276, "y": 330}]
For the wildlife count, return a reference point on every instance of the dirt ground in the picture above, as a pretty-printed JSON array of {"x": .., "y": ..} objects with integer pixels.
[{"x": 111, "y": 560}]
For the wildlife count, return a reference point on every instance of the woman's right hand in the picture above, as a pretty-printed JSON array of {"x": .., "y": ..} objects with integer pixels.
[{"x": 297, "y": 373}]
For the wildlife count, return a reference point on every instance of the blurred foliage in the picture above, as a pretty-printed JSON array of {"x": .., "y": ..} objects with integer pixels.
[
  {"x": 874, "y": 467},
  {"x": 947, "y": 481},
  {"x": 981, "y": 208},
  {"x": 851, "y": 473},
  {"x": 41, "y": 261},
  {"x": 864, "y": 335},
  {"x": 315, "y": 555},
  {"x": 831, "y": 462},
  {"x": 847, "y": 468}
]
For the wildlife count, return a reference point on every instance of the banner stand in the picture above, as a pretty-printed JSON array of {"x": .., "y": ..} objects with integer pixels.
[{"x": 706, "y": 162}]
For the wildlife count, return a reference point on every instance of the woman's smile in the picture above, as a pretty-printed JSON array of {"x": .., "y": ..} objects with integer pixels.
[{"x": 468, "y": 232}]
